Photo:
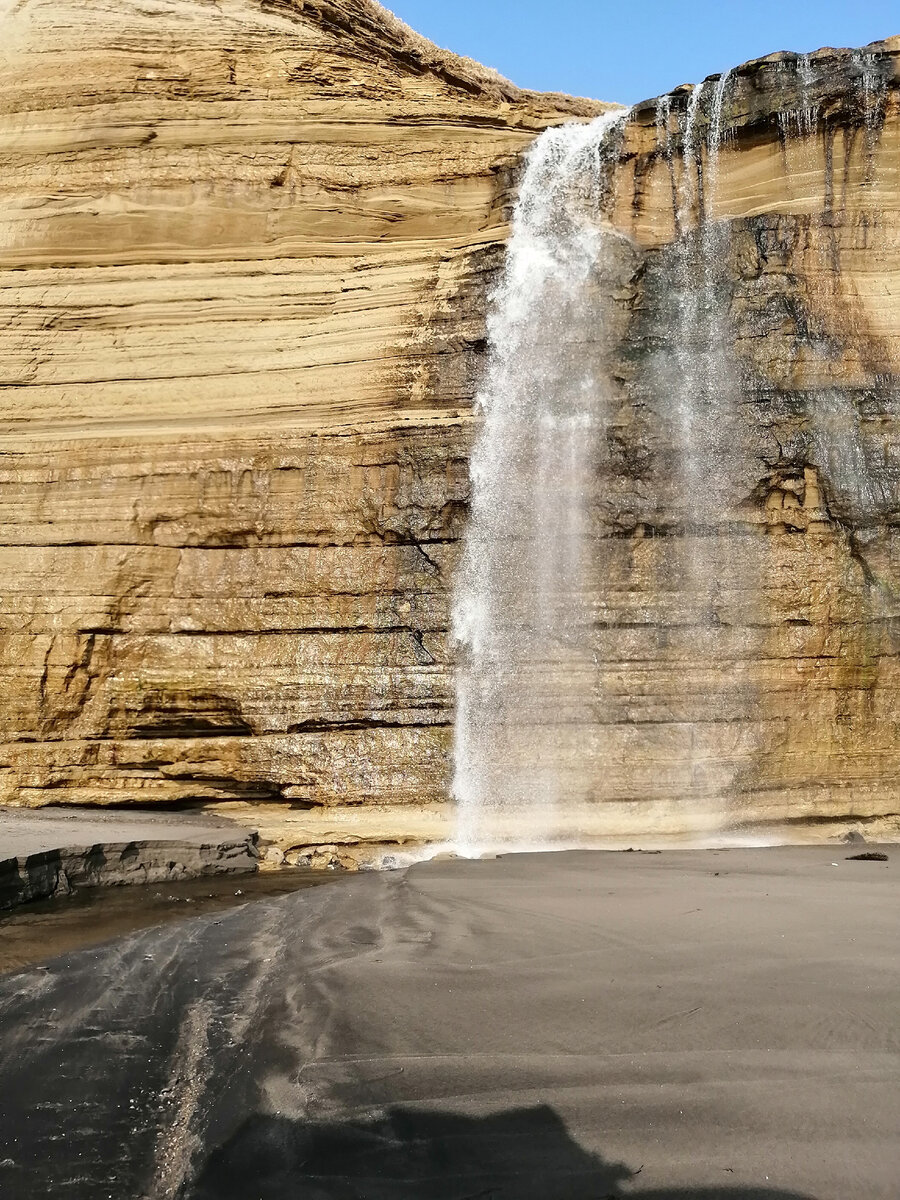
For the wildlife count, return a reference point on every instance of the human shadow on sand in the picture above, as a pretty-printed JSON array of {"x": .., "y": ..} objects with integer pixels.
[{"x": 522, "y": 1154}]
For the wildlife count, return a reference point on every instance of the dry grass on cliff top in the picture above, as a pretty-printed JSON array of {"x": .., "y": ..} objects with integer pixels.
[
  {"x": 466, "y": 70},
  {"x": 486, "y": 77}
]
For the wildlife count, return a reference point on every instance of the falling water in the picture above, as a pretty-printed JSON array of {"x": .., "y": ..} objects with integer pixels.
[
  {"x": 530, "y": 700},
  {"x": 705, "y": 382},
  {"x": 697, "y": 387},
  {"x": 872, "y": 84},
  {"x": 690, "y": 199},
  {"x": 801, "y": 120},
  {"x": 718, "y": 131},
  {"x": 837, "y": 442},
  {"x": 690, "y": 356},
  {"x": 519, "y": 613}
]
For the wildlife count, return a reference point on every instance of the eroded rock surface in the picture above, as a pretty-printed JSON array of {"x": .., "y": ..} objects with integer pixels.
[
  {"x": 52, "y": 852},
  {"x": 752, "y": 492},
  {"x": 245, "y": 255},
  {"x": 244, "y": 259}
]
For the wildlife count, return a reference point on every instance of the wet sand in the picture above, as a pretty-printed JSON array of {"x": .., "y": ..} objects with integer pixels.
[
  {"x": 35, "y": 932},
  {"x": 556, "y": 1027}
]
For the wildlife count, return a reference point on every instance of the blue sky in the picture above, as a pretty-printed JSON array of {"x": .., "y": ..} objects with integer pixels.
[{"x": 630, "y": 50}]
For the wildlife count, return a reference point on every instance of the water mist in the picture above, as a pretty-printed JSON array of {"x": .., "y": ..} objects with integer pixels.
[{"x": 520, "y": 612}]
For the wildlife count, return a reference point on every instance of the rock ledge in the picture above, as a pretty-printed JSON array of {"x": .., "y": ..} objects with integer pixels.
[{"x": 38, "y": 859}]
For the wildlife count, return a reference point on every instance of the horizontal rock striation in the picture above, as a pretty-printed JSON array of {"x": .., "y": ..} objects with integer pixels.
[
  {"x": 52, "y": 853},
  {"x": 245, "y": 258},
  {"x": 752, "y": 485}
]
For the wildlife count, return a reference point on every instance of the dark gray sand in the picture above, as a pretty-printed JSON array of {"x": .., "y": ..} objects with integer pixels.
[
  {"x": 559, "y": 1027},
  {"x": 32, "y": 933}
]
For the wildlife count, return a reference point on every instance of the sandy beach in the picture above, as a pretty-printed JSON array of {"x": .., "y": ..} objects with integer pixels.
[
  {"x": 32, "y": 933},
  {"x": 569, "y": 1026}
]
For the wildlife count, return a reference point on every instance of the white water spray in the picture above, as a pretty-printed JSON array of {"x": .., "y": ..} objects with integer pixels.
[
  {"x": 540, "y": 740},
  {"x": 704, "y": 383},
  {"x": 519, "y": 615}
]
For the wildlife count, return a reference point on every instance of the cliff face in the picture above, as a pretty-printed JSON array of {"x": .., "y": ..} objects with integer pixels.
[
  {"x": 751, "y": 491},
  {"x": 245, "y": 252}
]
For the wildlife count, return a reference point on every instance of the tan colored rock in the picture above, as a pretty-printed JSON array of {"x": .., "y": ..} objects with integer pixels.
[
  {"x": 244, "y": 251},
  {"x": 245, "y": 255},
  {"x": 773, "y": 683}
]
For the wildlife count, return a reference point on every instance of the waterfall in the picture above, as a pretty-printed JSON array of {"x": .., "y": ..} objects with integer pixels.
[
  {"x": 836, "y": 440},
  {"x": 519, "y": 612},
  {"x": 801, "y": 120},
  {"x": 521, "y": 616},
  {"x": 631, "y": 426},
  {"x": 697, "y": 388},
  {"x": 717, "y": 129},
  {"x": 702, "y": 380}
]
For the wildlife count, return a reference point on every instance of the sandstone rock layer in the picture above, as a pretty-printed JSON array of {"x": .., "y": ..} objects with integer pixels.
[
  {"x": 771, "y": 678},
  {"x": 245, "y": 257},
  {"x": 56, "y": 851},
  {"x": 243, "y": 265}
]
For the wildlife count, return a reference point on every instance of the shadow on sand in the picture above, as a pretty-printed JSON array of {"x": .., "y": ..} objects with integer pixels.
[{"x": 523, "y": 1154}]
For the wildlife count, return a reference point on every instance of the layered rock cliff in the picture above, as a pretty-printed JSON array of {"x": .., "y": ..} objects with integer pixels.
[
  {"x": 243, "y": 264},
  {"x": 752, "y": 490},
  {"x": 245, "y": 254}
]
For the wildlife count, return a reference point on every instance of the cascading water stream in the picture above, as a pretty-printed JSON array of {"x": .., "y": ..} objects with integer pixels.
[
  {"x": 836, "y": 442},
  {"x": 519, "y": 613},
  {"x": 521, "y": 618},
  {"x": 698, "y": 388},
  {"x": 599, "y": 439},
  {"x": 697, "y": 381}
]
